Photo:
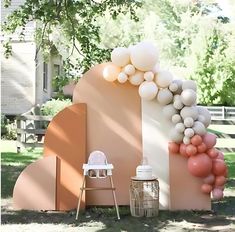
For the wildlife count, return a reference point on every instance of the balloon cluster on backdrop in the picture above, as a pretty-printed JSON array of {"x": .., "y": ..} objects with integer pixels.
[{"x": 139, "y": 65}]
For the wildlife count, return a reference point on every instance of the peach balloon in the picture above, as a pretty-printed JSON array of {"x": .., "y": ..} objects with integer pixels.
[
  {"x": 173, "y": 147},
  {"x": 218, "y": 167},
  {"x": 210, "y": 179},
  {"x": 220, "y": 180},
  {"x": 206, "y": 188},
  {"x": 110, "y": 72},
  {"x": 220, "y": 187},
  {"x": 220, "y": 155},
  {"x": 212, "y": 152},
  {"x": 183, "y": 150},
  {"x": 200, "y": 165},
  {"x": 217, "y": 194},
  {"x": 196, "y": 140},
  {"x": 201, "y": 148},
  {"x": 209, "y": 139},
  {"x": 191, "y": 150}
]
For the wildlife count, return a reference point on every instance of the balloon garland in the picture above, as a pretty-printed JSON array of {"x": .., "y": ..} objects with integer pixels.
[{"x": 139, "y": 65}]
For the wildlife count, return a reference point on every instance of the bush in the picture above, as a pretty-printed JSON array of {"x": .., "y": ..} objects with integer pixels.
[
  {"x": 54, "y": 106},
  {"x": 8, "y": 128}
]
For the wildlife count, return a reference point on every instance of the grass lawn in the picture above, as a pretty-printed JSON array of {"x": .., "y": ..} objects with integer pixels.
[{"x": 221, "y": 218}]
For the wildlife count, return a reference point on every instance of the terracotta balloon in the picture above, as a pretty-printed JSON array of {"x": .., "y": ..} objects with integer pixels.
[
  {"x": 217, "y": 194},
  {"x": 209, "y": 139},
  {"x": 173, "y": 147},
  {"x": 191, "y": 150},
  {"x": 183, "y": 150},
  {"x": 201, "y": 148},
  {"x": 196, "y": 140},
  {"x": 218, "y": 167},
  {"x": 200, "y": 165},
  {"x": 210, "y": 179},
  {"x": 213, "y": 153},
  {"x": 220, "y": 180},
  {"x": 206, "y": 188}
]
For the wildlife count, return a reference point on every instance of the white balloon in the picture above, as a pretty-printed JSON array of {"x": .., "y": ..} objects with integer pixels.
[
  {"x": 179, "y": 84},
  {"x": 186, "y": 140},
  {"x": 207, "y": 116},
  {"x": 199, "y": 128},
  {"x": 175, "y": 136},
  {"x": 164, "y": 96},
  {"x": 178, "y": 104},
  {"x": 169, "y": 110},
  {"x": 137, "y": 78},
  {"x": 189, "y": 111},
  {"x": 188, "y": 122},
  {"x": 122, "y": 77},
  {"x": 173, "y": 87},
  {"x": 120, "y": 56},
  {"x": 163, "y": 78},
  {"x": 176, "y": 118},
  {"x": 148, "y": 76},
  {"x": 129, "y": 69},
  {"x": 148, "y": 90},
  {"x": 110, "y": 72},
  {"x": 144, "y": 56},
  {"x": 188, "y": 97},
  {"x": 176, "y": 97},
  {"x": 189, "y": 84},
  {"x": 189, "y": 132},
  {"x": 180, "y": 127}
]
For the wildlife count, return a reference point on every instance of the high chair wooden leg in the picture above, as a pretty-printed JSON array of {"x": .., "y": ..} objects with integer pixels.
[
  {"x": 80, "y": 196},
  {"x": 114, "y": 197}
]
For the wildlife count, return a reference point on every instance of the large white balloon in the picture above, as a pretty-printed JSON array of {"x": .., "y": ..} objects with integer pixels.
[
  {"x": 120, "y": 56},
  {"x": 188, "y": 97},
  {"x": 206, "y": 114},
  {"x": 164, "y": 96},
  {"x": 163, "y": 78},
  {"x": 137, "y": 78},
  {"x": 169, "y": 111},
  {"x": 148, "y": 90},
  {"x": 199, "y": 128},
  {"x": 144, "y": 56},
  {"x": 111, "y": 72},
  {"x": 189, "y": 111},
  {"x": 129, "y": 69},
  {"x": 122, "y": 77},
  {"x": 189, "y": 84},
  {"x": 175, "y": 136}
]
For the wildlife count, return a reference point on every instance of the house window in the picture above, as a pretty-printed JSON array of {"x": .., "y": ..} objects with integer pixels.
[
  {"x": 56, "y": 69},
  {"x": 45, "y": 76},
  {"x": 56, "y": 73}
]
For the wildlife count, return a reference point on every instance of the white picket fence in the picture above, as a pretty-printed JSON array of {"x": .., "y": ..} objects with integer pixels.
[{"x": 221, "y": 112}]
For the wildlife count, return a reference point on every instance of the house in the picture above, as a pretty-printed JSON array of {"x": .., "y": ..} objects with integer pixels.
[{"x": 25, "y": 81}]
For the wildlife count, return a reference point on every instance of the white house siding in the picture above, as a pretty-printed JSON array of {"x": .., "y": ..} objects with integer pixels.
[{"x": 18, "y": 79}]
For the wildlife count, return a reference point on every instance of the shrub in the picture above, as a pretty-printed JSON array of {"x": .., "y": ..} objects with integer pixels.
[{"x": 8, "y": 128}]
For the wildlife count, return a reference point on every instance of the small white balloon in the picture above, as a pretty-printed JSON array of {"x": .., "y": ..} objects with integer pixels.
[
  {"x": 179, "y": 84},
  {"x": 163, "y": 78},
  {"x": 199, "y": 128},
  {"x": 111, "y": 72},
  {"x": 189, "y": 132},
  {"x": 175, "y": 136},
  {"x": 180, "y": 127},
  {"x": 148, "y": 90},
  {"x": 178, "y": 104},
  {"x": 137, "y": 78},
  {"x": 129, "y": 69},
  {"x": 122, "y": 77},
  {"x": 189, "y": 84},
  {"x": 189, "y": 111},
  {"x": 186, "y": 140},
  {"x": 176, "y": 97},
  {"x": 120, "y": 56},
  {"x": 204, "y": 112},
  {"x": 164, "y": 96},
  {"x": 148, "y": 76},
  {"x": 188, "y": 97},
  {"x": 188, "y": 122},
  {"x": 144, "y": 56},
  {"x": 173, "y": 87},
  {"x": 176, "y": 118},
  {"x": 168, "y": 111}
]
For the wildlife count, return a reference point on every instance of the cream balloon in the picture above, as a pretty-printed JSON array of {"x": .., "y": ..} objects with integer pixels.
[
  {"x": 188, "y": 122},
  {"x": 144, "y": 56},
  {"x": 175, "y": 136},
  {"x": 178, "y": 104},
  {"x": 148, "y": 90},
  {"x": 189, "y": 111},
  {"x": 120, "y": 56},
  {"x": 186, "y": 140},
  {"x": 122, "y": 77},
  {"x": 137, "y": 78},
  {"x": 176, "y": 118},
  {"x": 168, "y": 111},
  {"x": 189, "y": 84},
  {"x": 129, "y": 69},
  {"x": 163, "y": 78},
  {"x": 148, "y": 76},
  {"x": 188, "y": 97},
  {"x": 111, "y": 72},
  {"x": 164, "y": 96}
]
